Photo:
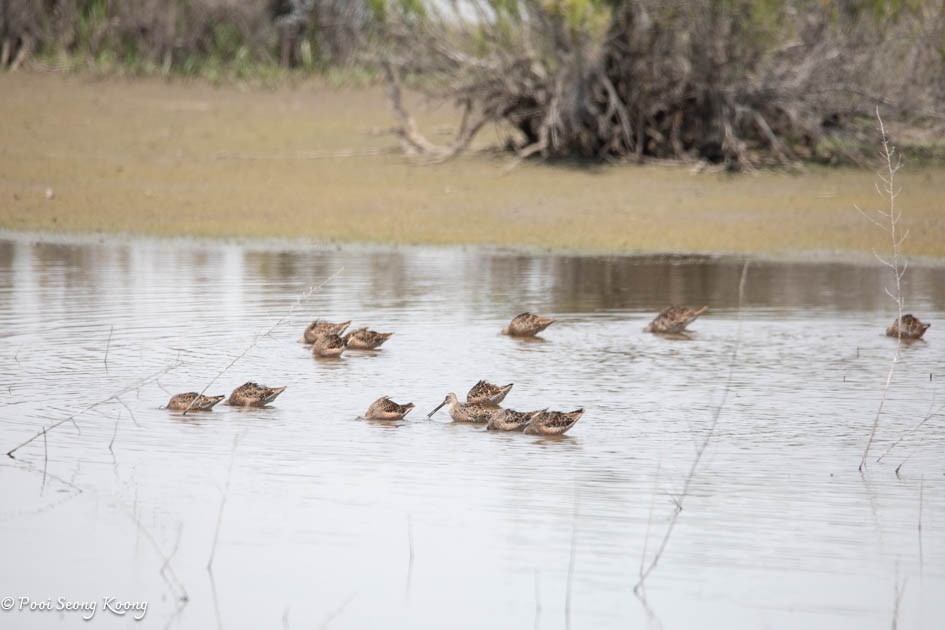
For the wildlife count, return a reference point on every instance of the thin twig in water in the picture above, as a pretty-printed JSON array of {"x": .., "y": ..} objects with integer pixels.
[
  {"x": 108, "y": 345},
  {"x": 410, "y": 556},
  {"x": 137, "y": 385},
  {"x": 298, "y": 302},
  {"x": 115, "y": 432},
  {"x": 567, "y": 593},
  {"x": 167, "y": 560},
  {"x": 167, "y": 570},
  {"x": 890, "y": 222},
  {"x": 931, "y": 414},
  {"x": 128, "y": 409},
  {"x": 680, "y": 499},
  {"x": 336, "y": 612},
  {"x": 216, "y": 601},
  {"x": 226, "y": 491},
  {"x": 45, "y": 460},
  {"x": 537, "y": 600},
  {"x": 649, "y": 519},
  {"x": 898, "y": 590},
  {"x": 921, "y": 500}
]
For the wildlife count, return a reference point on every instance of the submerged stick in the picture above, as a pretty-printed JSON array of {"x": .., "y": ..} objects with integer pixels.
[
  {"x": 931, "y": 414},
  {"x": 705, "y": 442},
  {"x": 226, "y": 491},
  {"x": 45, "y": 459},
  {"x": 328, "y": 619},
  {"x": 567, "y": 592},
  {"x": 921, "y": 492},
  {"x": 116, "y": 396},
  {"x": 410, "y": 552},
  {"x": 166, "y": 572},
  {"x": 108, "y": 345},
  {"x": 537, "y": 600},
  {"x": 115, "y": 432},
  {"x": 298, "y": 302}
]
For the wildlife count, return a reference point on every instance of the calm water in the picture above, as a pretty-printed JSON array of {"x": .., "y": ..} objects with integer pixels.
[{"x": 333, "y": 521}]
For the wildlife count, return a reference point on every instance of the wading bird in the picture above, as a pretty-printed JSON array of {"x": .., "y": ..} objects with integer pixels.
[
  {"x": 510, "y": 420},
  {"x": 674, "y": 319},
  {"x": 328, "y": 345},
  {"x": 386, "y": 409},
  {"x": 527, "y": 325},
  {"x": 486, "y": 392},
  {"x": 318, "y": 327},
  {"x": 467, "y": 412},
  {"x": 253, "y": 395},
  {"x": 909, "y": 328},
  {"x": 193, "y": 401},
  {"x": 364, "y": 339},
  {"x": 553, "y": 422}
]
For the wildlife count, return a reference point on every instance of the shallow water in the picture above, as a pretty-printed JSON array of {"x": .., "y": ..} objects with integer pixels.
[{"x": 329, "y": 520}]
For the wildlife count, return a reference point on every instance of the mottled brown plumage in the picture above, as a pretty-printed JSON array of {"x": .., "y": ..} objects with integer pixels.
[
  {"x": 527, "y": 325},
  {"x": 386, "y": 409},
  {"x": 509, "y": 420},
  {"x": 674, "y": 319},
  {"x": 467, "y": 412},
  {"x": 485, "y": 392},
  {"x": 193, "y": 401},
  {"x": 553, "y": 422},
  {"x": 318, "y": 327},
  {"x": 364, "y": 339},
  {"x": 909, "y": 328},
  {"x": 328, "y": 345},
  {"x": 253, "y": 395}
]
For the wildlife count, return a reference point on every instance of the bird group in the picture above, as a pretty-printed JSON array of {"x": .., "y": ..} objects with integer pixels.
[
  {"x": 329, "y": 340},
  {"x": 246, "y": 395},
  {"x": 482, "y": 401},
  {"x": 482, "y": 407}
]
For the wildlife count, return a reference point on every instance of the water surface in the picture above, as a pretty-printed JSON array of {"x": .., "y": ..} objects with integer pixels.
[{"x": 329, "y": 520}]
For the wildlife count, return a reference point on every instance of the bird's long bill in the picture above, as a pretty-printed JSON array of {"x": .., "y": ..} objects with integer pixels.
[{"x": 438, "y": 407}]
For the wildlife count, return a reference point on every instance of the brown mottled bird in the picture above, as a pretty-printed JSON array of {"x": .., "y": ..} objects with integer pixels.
[
  {"x": 510, "y": 420},
  {"x": 253, "y": 395},
  {"x": 527, "y": 325},
  {"x": 330, "y": 345},
  {"x": 674, "y": 319},
  {"x": 386, "y": 409},
  {"x": 553, "y": 422},
  {"x": 486, "y": 392},
  {"x": 193, "y": 401},
  {"x": 467, "y": 412},
  {"x": 909, "y": 328},
  {"x": 364, "y": 339},
  {"x": 318, "y": 327}
]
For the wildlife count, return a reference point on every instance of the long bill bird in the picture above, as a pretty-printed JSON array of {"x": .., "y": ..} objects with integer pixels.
[
  {"x": 527, "y": 325},
  {"x": 478, "y": 413},
  {"x": 318, "y": 327},
  {"x": 553, "y": 422},
  {"x": 328, "y": 345},
  {"x": 486, "y": 392},
  {"x": 386, "y": 409},
  {"x": 908, "y": 328},
  {"x": 510, "y": 420},
  {"x": 253, "y": 395},
  {"x": 364, "y": 339},
  {"x": 192, "y": 401},
  {"x": 674, "y": 319}
]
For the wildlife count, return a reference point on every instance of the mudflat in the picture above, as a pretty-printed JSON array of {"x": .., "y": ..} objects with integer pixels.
[{"x": 84, "y": 154}]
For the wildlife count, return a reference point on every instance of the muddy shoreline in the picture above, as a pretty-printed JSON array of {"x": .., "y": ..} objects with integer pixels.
[{"x": 316, "y": 164}]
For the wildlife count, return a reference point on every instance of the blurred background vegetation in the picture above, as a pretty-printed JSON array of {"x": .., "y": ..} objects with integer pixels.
[{"x": 739, "y": 83}]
